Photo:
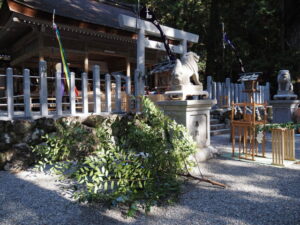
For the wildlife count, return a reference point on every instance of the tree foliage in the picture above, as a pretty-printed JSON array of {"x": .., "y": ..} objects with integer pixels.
[
  {"x": 134, "y": 160},
  {"x": 265, "y": 32}
]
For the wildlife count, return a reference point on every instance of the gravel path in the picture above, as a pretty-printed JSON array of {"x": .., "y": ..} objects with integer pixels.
[{"x": 256, "y": 194}]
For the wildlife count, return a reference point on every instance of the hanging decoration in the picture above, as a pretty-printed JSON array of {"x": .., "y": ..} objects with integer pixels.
[
  {"x": 66, "y": 70},
  {"x": 226, "y": 41}
]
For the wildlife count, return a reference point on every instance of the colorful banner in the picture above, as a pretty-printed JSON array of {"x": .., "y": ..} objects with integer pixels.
[{"x": 66, "y": 69}]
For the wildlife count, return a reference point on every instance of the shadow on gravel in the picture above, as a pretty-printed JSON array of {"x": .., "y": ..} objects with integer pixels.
[
  {"x": 25, "y": 203},
  {"x": 256, "y": 195}
]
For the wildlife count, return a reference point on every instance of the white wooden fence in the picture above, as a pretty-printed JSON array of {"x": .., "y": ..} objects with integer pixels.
[
  {"x": 227, "y": 92},
  {"x": 28, "y": 105}
]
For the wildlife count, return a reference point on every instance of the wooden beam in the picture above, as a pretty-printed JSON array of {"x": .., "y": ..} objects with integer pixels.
[
  {"x": 27, "y": 52},
  {"x": 171, "y": 33},
  {"x": 6, "y": 26},
  {"x": 24, "y": 57},
  {"x": 178, "y": 49},
  {"x": 24, "y": 40}
]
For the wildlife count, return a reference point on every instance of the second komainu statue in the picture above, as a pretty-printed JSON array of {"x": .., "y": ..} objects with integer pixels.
[{"x": 285, "y": 86}]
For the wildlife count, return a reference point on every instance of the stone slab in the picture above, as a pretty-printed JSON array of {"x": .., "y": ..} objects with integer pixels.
[
  {"x": 285, "y": 97},
  {"x": 182, "y": 91}
]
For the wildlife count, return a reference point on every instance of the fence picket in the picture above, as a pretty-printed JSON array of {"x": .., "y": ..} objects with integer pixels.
[
  {"x": 26, "y": 91},
  {"x": 209, "y": 86},
  {"x": 228, "y": 92},
  {"x": 72, "y": 94},
  {"x": 62, "y": 107},
  {"x": 84, "y": 93},
  {"x": 118, "y": 93},
  {"x": 59, "y": 93},
  {"x": 128, "y": 85},
  {"x": 108, "y": 92},
  {"x": 236, "y": 97},
  {"x": 10, "y": 93},
  {"x": 43, "y": 88},
  {"x": 214, "y": 90},
  {"x": 96, "y": 89}
]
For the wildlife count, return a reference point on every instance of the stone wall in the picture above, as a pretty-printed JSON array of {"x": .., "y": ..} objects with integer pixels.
[{"x": 17, "y": 137}]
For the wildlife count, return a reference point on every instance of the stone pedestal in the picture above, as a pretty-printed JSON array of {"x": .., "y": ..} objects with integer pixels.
[
  {"x": 194, "y": 115},
  {"x": 182, "y": 91},
  {"x": 283, "y": 110}
]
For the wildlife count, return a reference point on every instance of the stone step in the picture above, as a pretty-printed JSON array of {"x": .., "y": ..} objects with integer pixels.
[
  {"x": 214, "y": 121},
  {"x": 218, "y": 132},
  {"x": 217, "y": 126}
]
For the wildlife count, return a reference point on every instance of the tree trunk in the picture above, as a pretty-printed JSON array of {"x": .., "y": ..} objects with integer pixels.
[
  {"x": 214, "y": 43},
  {"x": 291, "y": 26}
]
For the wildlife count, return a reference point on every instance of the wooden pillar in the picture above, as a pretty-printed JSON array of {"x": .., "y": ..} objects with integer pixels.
[
  {"x": 128, "y": 68},
  {"x": 86, "y": 63},
  {"x": 41, "y": 48}
]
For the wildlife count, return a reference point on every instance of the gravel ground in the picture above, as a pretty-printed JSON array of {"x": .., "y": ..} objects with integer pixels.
[{"x": 256, "y": 194}]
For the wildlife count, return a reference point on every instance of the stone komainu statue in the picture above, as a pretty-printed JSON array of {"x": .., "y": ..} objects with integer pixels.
[
  {"x": 284, "y": 81},
  {"x": 185, "y": 69},
  {"x": 285, "y": 86}
]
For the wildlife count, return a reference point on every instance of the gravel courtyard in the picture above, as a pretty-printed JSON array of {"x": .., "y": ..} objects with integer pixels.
[{"x": 256, "y": 194}]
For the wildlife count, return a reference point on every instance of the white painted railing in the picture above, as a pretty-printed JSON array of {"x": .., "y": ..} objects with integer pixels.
[
  {"x": 227, "y": 92},
  {"x": 41, "y": 104}
]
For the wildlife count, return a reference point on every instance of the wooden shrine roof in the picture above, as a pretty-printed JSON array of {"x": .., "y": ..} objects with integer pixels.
[{"x": 88, "y": 11}]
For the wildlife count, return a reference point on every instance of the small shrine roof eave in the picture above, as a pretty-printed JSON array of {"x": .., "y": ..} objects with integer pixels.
[
  {"x": 166, "y": 66},
  {"x": 249, "y": 76}
]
